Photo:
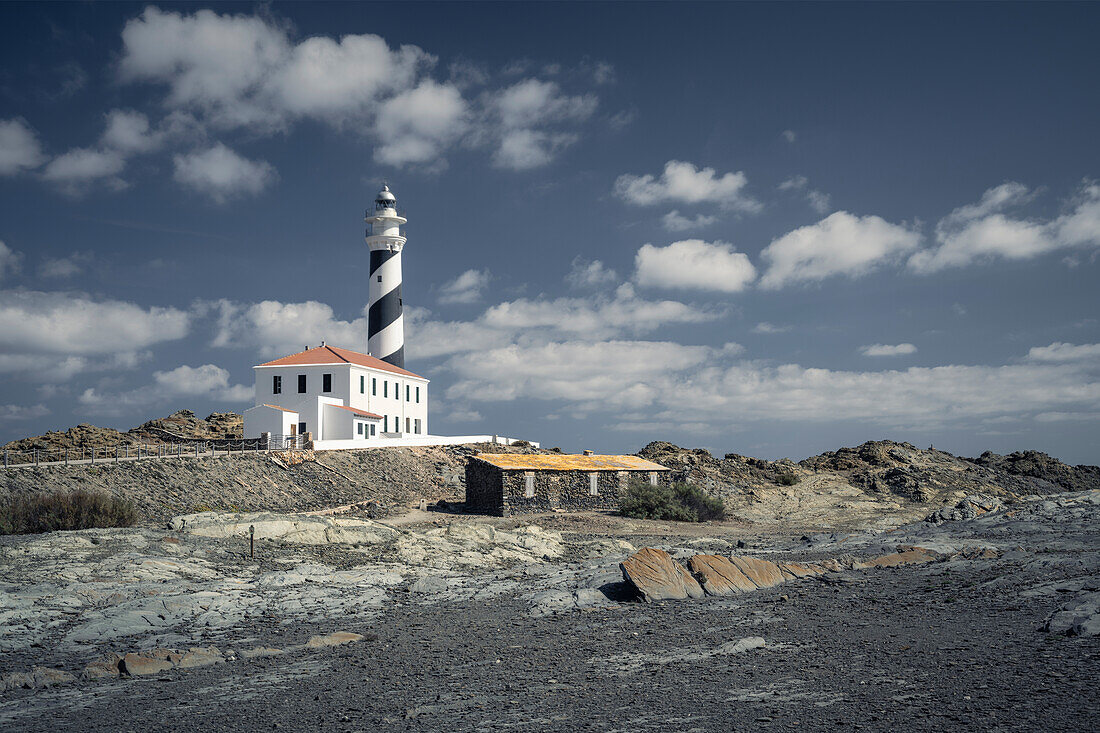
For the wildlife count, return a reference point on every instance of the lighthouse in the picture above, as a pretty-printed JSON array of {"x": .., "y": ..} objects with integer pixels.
[{"x": 385, "y": 326}]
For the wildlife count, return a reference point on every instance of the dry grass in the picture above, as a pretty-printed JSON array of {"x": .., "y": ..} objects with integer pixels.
[{"x": 65, "y": 511}]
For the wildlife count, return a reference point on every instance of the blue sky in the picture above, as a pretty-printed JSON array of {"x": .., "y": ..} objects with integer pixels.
[{"x": 771, "y": 229}]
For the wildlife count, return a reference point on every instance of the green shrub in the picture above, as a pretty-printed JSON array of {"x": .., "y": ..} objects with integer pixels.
[
  {"x": 64, "y": 510},
  {"x": 786, "y": 479},
  {"x": 681, "y": 502}
]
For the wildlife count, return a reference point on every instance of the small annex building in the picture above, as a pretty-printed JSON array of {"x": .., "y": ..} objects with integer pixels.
[{"x": 513, "y": 483}]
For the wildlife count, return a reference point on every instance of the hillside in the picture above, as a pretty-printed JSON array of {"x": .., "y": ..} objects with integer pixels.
[{"x": 181, "y": 425}]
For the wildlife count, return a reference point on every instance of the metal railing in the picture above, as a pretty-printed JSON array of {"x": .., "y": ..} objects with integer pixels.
[{"x": 94, "y": 455}]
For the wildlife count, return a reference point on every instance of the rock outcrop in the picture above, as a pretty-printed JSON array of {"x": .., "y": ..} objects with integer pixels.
[{"x": 658, "y": 577}]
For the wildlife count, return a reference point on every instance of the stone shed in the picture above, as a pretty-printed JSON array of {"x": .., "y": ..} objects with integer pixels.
[{"x": 510, "y": 483}]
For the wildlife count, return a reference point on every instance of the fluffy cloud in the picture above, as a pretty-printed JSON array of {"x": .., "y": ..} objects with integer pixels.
[
  {"x": 674, "y": 221},
  {"x": 529, "y": 114},
  {"x": 684, "y": 183},
  {"x": 585, "y": 274},
  {"x": 694, "y": 264},
  {"x": 236, "y": 71},
  {"x": 466, "y": 288},
  {"x": 19, "y": 147},
  {"x": 417, "y": 125},
  {"x": 887, "y": 349},
  {"x": 80, "y": 167},
  {"x": 221, "y": 174},
  {"x": 128, "y": 131},
  {"x": 277, "y": 329},
  {"x": 840, "y": 244},
  {"x": 1059, "y": 351},
  {"x": 33, "y": 322},
  {"x": 983, "y": 231},
  {"x": 208, "y": 381},
  {"x": 23, "y": 412},
  {"x": 648, "y": 383}
]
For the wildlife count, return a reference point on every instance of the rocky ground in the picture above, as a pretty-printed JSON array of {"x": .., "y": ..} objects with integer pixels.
[
  {"x": 988, "y": 617},
  {"x": 181, "y": 425}
]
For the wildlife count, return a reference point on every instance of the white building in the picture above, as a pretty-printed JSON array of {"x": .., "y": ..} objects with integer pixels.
[
  {"x": 337, "y": 394},
  {"x": 346, "y": 399}
]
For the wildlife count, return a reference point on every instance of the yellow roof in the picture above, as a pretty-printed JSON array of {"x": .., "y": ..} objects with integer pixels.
[{"x": 567, "y": 462}]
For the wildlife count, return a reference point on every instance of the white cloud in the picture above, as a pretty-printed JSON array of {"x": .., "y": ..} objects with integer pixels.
[
  {"x": 668, "y": 383},
  {"x": 466, "y": 288},
  {"x": 789, "y": 135},
  {"x": 674, "y": 221},
  {"x": 684, "y": 183},
  {"x": 887, "y": 349},
  {"x": 694, "y": 264},
  {"x": 794, "y": 183},
  {"x": 585, "y": 274},
  {"x": 10, "y": 260},
  {"x": 1067, "y": 416},
  {"x": 417, "y": 125},
  {"x": 129, "y": 132},
  {"x": 23, "y": 412},
  {"x": 278, "y": 329},
  {"x": 840, "y": 244},
  {"x": 221, "y": 174},
  {"x": 981, "y": 231},
  {"x": 64, "y": 267},
  {"x": 818, "y": 200},
  {"x": 533, "y": 103},
  {"x": 1059, "y": 351},
  {"x": 19, "y": 147},
  {"x": 207, "y": 381},
  {"x": 525, "y": 149},
  {"x": 33, "y": 322},
  {"x": 80, "y": 167},
  {"x": 765, "y": 327}
]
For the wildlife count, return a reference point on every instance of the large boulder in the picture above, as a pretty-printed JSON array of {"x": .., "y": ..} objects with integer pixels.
[
  {"x": 720, "y": 577},
  {"x": 658, "y": 577},
  {"x": 763, "y": 573}
]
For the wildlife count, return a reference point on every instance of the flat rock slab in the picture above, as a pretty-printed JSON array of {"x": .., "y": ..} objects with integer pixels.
[
  {"x": 764, "y": 573},
  {"x": 800, "y": 570},
  {"x": 336, "y": 638},
  {"x": 720, "y": 576},
  {"x": 658, "y": 577}
]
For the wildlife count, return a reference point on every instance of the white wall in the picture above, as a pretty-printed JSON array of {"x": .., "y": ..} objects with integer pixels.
[
  {"x": 259, "y": 420},
  {"x": 345, "y": 390},
  {"x": 415, "y": 441}
]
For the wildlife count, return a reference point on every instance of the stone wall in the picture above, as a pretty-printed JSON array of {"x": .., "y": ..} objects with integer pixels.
[
  {"x": 497, "y": 491},
  {"x": 483, "y": 487}
]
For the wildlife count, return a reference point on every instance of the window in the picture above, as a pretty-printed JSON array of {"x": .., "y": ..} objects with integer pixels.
[
  {"x": 379, "y": 278},
  {"x": 301, "y": 428},
  {"x": 529, "y": 484},
  {"x": 385, "y": 423},
  {"x": 408, "y": 425},
  {"x": 359, "y": 428},
  {"x": 301, "y": 383},
  {"x": 276, "y": 385},
  {"x": 326, "y": 382},
  {"x": 372, "y": 430},
  {"x": 373, "y": 386},
  {"x": 406, "y": 393},
  {"x": 652, "y": 478},
  {"x": 418, "y": 395},
  {"x": 396, "y": 390},
  {"x": 593, "y": 484},
  {"x": 362, "y": 384},
  {"x": 385, "y": 388},
  {"x": 416, "y": 426}
]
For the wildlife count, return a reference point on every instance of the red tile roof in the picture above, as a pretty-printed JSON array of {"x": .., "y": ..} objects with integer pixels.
[
  {"x": 336, "y": 355},
  {"x": 357, "y": 411}
]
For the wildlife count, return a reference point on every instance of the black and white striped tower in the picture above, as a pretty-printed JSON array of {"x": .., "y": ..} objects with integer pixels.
[{"x": 385, "y": 326}]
